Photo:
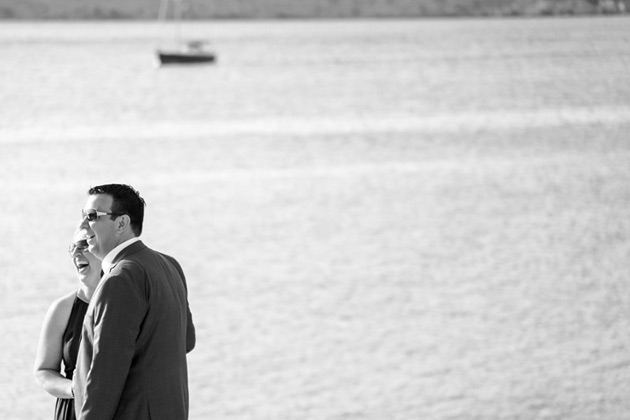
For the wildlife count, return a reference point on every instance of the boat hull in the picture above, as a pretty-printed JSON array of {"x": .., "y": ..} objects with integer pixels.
[{"x": 185, "y": 57}]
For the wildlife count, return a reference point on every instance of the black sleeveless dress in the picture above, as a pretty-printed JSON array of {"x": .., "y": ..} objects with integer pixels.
[{"x": 64, "y": 408}]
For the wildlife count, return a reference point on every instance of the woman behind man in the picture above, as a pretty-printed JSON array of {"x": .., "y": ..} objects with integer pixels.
[{"x": 61, "y": 332}]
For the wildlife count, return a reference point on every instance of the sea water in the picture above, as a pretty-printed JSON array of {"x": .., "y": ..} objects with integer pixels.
[{"x": 378, "y": 219}]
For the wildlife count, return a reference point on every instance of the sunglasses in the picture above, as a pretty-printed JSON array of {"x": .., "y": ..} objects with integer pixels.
[
  {"x": 91, "y": 215},
  {"x": 79, "y": 246}
]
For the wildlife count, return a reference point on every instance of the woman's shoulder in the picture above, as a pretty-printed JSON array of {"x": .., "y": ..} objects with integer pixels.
[{"x": 62, "y": 305}]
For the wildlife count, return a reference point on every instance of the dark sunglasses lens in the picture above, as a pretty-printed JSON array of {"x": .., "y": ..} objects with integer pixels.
[
  {"x": 80, "y": 246},
  {"x": 90, "y": 215}
]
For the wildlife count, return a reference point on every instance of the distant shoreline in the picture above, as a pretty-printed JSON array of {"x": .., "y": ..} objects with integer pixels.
[
  {"x": 311, "y": 18},
  {"x": 307, "y": 10}
]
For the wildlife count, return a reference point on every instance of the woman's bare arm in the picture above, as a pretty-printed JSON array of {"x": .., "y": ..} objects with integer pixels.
[{"x": 47, "y": 369}]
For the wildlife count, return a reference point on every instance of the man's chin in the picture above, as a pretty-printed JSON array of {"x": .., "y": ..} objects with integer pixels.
[{"x": 95, "y": 251}]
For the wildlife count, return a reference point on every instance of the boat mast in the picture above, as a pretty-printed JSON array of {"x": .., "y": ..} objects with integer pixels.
[
  {"x": 163, "y": 11},
  {"x": 177, "y": 18}
]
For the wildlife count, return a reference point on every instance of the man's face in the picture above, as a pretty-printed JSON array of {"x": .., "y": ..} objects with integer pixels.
[{"x": 101, "y": 233}]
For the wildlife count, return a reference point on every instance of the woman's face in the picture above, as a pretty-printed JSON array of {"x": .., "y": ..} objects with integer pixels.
[{"x": 88, "y": 267}]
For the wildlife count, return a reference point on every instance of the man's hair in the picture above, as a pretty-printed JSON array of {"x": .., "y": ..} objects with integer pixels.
[{"x": 126, "y": 200}]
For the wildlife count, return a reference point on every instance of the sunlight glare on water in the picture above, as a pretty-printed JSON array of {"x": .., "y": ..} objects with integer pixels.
[{"x": 377, "y": 219}]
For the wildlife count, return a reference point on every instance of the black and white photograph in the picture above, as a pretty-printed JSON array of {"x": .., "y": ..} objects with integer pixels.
[{"x": 315, "y": 209}]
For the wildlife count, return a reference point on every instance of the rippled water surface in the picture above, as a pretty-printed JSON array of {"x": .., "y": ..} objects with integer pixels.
[{"x": 379, "y": 220}]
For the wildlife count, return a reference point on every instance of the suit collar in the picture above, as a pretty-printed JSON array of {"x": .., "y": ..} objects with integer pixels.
[{"x": 121, "y": 251}]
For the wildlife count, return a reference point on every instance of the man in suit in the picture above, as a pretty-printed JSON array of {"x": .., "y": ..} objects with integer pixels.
[{"x": 138, "y": 327}]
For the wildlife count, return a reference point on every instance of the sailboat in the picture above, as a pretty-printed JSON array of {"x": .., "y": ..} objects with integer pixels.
[{"x": 185, "y": 52}]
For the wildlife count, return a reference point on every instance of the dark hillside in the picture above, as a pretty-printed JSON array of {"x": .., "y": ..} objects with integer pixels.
[{"x": 281, "y": 9}]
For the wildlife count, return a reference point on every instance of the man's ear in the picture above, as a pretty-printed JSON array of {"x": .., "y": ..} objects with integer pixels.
[{"x": 123, "y": 223}]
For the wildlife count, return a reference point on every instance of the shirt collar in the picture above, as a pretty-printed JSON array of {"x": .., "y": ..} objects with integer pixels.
[{"x": 109, "y": 258}]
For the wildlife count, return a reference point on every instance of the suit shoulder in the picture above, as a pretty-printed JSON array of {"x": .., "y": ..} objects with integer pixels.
[
  {"x": 171, "y": 260},
  {"x": 131, "y": 264},
  {"x": 168, "y": 257}
]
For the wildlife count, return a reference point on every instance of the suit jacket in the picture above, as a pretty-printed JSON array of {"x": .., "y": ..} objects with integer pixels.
[{"x": 136, "y": 333}]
